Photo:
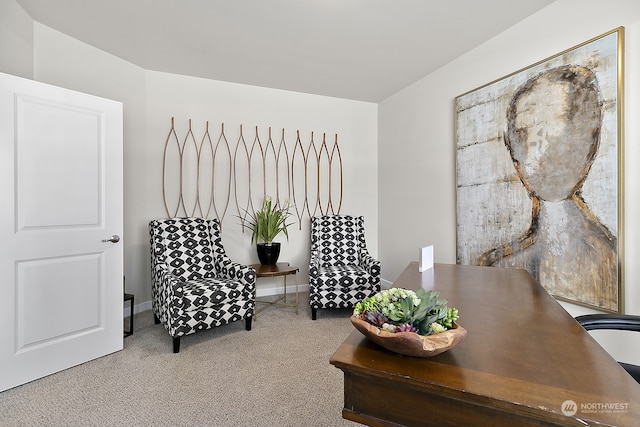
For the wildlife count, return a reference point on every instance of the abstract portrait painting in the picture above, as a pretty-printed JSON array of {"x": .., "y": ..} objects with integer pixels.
[{"x": 538, "y": 179}]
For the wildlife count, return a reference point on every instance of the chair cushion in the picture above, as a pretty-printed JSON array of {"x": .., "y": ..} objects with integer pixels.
[
  {"x": 345, "y": 276},
  {"x": 204, "y": 293}
]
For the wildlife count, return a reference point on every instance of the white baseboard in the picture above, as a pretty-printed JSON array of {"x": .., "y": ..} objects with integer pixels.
[
  {"x": 278, "y": 289},
  {"x": 137, "y": 308},
  {"x": 260, "y": 292}
]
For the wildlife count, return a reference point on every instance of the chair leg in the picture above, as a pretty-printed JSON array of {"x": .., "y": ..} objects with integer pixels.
[
  {"x": 248, "y": 323},
  {"x": 156, "y": 320},
  {"x": 176, "y": 344},
  {"x": 314, "y": 312}
]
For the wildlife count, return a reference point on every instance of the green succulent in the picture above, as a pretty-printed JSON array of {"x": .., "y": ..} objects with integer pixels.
[{"x": 422, "y": 309}]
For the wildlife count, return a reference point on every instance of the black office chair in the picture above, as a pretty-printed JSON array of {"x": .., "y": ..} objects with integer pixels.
[{"x": 622, "y": 322}]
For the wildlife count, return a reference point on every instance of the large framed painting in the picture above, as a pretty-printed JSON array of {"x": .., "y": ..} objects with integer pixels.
[{"x": 539, "y": 180}]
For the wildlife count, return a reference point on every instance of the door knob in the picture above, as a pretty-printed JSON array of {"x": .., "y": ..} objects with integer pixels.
[{"x": 114, "y": 239}]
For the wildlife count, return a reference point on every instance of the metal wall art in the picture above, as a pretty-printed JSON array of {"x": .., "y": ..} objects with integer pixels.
[
  {"x": 539, "y": 179},
  {"x": 209, "y": 176}
]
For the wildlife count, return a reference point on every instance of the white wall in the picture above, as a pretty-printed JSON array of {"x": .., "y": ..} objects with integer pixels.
[
  {"x": 416, "y": 136},
  {"x": 63, "y": 61},
  {"x": 150, "y": 100},
  {"x": 170, "y": 95},
  {"x": 408, "y": 199},
  {"x": 16, "y": 40}
]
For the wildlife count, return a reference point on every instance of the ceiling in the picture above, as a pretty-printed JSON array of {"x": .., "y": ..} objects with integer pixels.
[{"x": 356, "y": 49}]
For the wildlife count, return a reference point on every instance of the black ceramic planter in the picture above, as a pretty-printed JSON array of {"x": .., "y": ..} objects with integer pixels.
[{"x": 268, "y": 253}]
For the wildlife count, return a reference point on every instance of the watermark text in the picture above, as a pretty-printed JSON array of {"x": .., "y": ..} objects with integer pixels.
[{"x": 570, "y": 407}]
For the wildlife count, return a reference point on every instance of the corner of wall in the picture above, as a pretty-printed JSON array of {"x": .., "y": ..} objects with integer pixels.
[{"x": 16, "y": 40}]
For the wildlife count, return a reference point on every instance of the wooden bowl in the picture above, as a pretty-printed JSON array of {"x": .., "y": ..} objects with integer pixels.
[{"x": 410, "y": 343}]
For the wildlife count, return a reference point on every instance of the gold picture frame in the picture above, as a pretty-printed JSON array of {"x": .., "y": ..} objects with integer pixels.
[{"x": 539, "y": 158}]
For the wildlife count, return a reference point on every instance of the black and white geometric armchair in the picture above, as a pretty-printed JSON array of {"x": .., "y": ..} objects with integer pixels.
[
  {"x": 195, "y": 286},
  {"x": 341, "y": 270}
]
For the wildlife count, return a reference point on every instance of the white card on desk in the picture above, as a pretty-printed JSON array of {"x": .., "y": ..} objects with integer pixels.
[{"x": 426, "y": 258}]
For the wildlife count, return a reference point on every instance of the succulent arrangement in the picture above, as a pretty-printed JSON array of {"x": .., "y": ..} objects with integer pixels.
[{"x": 402, "y": 310}]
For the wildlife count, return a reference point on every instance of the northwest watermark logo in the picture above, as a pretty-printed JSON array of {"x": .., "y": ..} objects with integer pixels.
[{"x": 570, "y": 408}]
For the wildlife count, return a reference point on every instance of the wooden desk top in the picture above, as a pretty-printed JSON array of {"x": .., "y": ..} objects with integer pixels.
[{"x": 523, "y": 354}]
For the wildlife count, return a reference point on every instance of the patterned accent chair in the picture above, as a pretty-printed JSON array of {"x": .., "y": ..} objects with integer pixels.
[
  {"x": 195, "y": 286},
  {"x": 341, "y": 270}
]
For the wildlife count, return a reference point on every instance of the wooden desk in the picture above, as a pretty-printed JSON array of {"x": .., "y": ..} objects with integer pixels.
[{"x": 523, "y": 358}]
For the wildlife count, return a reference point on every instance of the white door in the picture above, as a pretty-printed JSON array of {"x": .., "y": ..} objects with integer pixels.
[{"x": 61, "y": 283}]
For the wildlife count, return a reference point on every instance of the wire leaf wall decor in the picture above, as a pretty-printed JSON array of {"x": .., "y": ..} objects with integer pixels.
[{"x": 204, "y": 178}]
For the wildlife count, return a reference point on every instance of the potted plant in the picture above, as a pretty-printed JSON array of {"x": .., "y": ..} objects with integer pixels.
[
  {"x": 265, "y": 224},
  {"x": 413, "y": 323}
]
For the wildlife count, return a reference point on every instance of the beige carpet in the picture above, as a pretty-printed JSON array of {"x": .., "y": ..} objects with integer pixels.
[{"x": 277, "y": 374}]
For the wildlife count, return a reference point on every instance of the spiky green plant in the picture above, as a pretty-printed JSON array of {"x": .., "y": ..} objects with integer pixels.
[{"x": 266, "y": 223}]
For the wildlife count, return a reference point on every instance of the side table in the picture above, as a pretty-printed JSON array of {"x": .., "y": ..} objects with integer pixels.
[
  {"x": 130, "y": 298},
  {"x": 280, "y": 269}
]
